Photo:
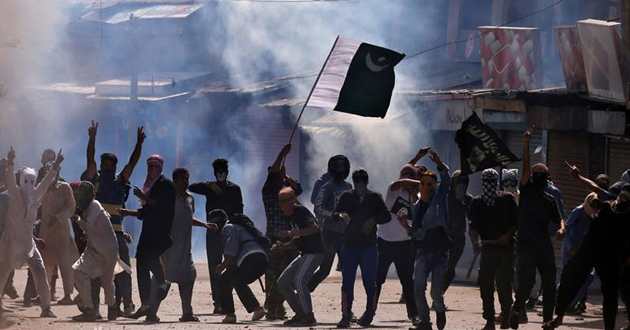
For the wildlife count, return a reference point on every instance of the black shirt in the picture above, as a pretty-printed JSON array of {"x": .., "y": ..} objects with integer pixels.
[
  {"x": 302, "y": 218},
  {"x": 493, "y": 222},
  {"x": 157, "y": 220},
  {"x": 457, "y": 210},
  {"x": 372, "y": 207},
  {"x": 537, "y": 209},
  {"x": 230, "y": 201},
  {"x": 609, "y": 232}
]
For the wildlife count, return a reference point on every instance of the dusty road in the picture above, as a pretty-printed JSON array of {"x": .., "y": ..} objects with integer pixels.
[{"x": 463, "y": 302}]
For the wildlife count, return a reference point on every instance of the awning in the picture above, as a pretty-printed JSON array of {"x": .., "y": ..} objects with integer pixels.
[{"x": 123, "y": 12}]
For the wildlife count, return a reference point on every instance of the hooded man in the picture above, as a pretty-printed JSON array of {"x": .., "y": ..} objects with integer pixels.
[
  {"x": 325, "y": 203},
  {"x": 100, "y": 257},
  {"x": 494, "y": 217},
  {"x": 112, "y": 191},
  {"x": 17, "y": 243},
  {"x": 57, "y": 206},
  {"x": 392, "y": 238},
  {"x": 225, "y": 195},
  {"x": 537, "y": 210},
  {"x": 360, "y": 209},
  {"x": 605, "y": 247},
  {"x": 458, "y": 201},
  {"x": 158, "y": 208}
]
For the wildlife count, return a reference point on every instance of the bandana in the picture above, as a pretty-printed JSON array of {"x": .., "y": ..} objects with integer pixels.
[
  {"x": 154, "y": 160},
  {"x": 510, "y": 177},
  {"x": 490, "y": 184},
  {"x": 28, "y": 176}
]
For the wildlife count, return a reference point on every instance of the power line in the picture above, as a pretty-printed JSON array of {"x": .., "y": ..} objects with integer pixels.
[{"x": 486, "y": 32}]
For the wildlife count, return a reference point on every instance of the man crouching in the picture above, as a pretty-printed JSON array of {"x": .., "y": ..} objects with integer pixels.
[{"x": 99, "y": 258}]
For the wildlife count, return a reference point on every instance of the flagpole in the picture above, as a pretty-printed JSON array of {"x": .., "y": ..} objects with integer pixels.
[{"x": 308, "y": 98}]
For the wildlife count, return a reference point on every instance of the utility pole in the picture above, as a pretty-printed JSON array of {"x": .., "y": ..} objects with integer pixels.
[{"x": 625, "y": 47}]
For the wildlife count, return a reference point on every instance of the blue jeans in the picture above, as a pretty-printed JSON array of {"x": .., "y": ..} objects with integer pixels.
[
  {"x": 435, "y": 264},
  {"x": 351, "y": 258}
]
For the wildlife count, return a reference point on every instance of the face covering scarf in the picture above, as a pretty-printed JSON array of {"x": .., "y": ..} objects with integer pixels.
[{"x": 490, "y": 184}]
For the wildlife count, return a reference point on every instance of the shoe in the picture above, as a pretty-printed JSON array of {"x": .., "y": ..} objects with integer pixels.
[
  {"x": 515, "y": 317},
  {"x": 440, "y": 321},
  {"x": 89, "y": 315},
  {"x": 112, "y": 313},
  {"x": 344, "y": 323},
  {"x": 294, "y": 321},
  {"x": 531, "y": 303},
  {"x": 66, "y": 301},
  {"x": 229, "y": 319},
  {"x": 151, "y": 318},
  {"x": 581, "y": 307},
  {"x": 572, "y": 311},
  {"x": 539, "y": 301},
  {"x": 11, "y": 292},
  {"x": 308, "y": 320},
  {"x": 423, "y": 326},
  {"x": 128, "y": 311},
  {"x": 353, "y": 318},
  {"x": 281, "y": 314},
  {"x": 489, "y": 325},
  {"x": 366, "y": 319},
  {"x": 505, "y": 321},
  {"x": 188, "y": 318},
  {"x": 98, "y": 315},
  {"x": 139, "y": 313},
  {"x": 258, "y": 314},
  {"x": 46, "y": 312},
  {"x": 162, "y": 292},
  {"x": 415, "y": 320},
  {"x": 217, "y": 310}
]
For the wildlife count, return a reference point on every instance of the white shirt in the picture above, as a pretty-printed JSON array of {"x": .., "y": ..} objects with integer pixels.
[{"x": 393, "y": 231}]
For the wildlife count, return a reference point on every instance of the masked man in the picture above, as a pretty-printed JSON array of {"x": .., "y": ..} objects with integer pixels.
[
  {"x": 458, "y": 202},
  {"x": 57, "y": 206},
  {"x": 17, "y": 243},
  {"x": 537, "y": 210},
  {"x": 220, "y": 195}
]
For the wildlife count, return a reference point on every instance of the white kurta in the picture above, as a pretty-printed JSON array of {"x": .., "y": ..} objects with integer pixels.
[
  {"x": 58, "y": 206},
  {"x": 17, "y": 244},
  {"x": 101, "y": 254}
]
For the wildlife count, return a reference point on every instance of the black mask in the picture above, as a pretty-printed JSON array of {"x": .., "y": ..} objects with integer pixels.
[{"x": 540, "y": 180}]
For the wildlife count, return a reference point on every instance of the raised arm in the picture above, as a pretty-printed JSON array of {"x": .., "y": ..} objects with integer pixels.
[
  {"x": 9, "y": 176},
  {"x": 526, "y": 173},
  {"x": 590, "y": 185},
  {"x": 281, "y": 156},
  {"x": 421, "y": 153},
  {"x": 91, "y": 151},
  {"x": 135, "y": 156},
  {"x": 445, "y": 177},
  {"x": 43, "y": 186}
]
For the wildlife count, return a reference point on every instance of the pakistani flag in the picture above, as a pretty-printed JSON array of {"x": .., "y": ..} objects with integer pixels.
[{"x": 357, "y": 78}]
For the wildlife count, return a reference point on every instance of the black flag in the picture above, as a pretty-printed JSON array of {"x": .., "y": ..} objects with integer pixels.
[
  {"x": 481, "y": 147},
  {"x": 367, "y": 89}
]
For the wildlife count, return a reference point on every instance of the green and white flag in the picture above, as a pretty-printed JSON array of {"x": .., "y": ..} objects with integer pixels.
[{"x": 357, "y": 78}]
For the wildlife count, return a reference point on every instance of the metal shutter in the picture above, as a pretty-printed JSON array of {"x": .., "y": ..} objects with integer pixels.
[
  {"x": 573, "y": 148},
  {"x": 618, "y": 159}
]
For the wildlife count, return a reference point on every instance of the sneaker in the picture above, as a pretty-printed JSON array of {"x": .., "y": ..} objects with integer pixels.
[
  {"x": 139, "y": 313},
  {"x": 531, "y": 303},
  {"x": 344, "y": 323},
  {"x": 229, "y": 319},
  {"x": 308, "y": 320},
  {"x": 151, "y": 318},
  {"x": 366, "y": 319},
  {"x": 423, "y": 326},
  {"x": 46, "y": 312},
  {"x": 581, "y": 307},
  {"x": 66, "y": 300},
  {"x": 188, "y": 318},
  {"x": 415, "y": 320},
  {"x": 112, "y": 313},
  {"x": 11, "y": 292},
  {"x": 295, "y": 320},
  {"x": 524, "y": 319},
  {"x": 440, "y": 320},
  {"x": 89, "y": 315},
  {"x": 128, "y": 311},
  {"x": 258, "y": 314},
  {"x": 515, "y": 317},
  {"x": 353, "y": 318}
]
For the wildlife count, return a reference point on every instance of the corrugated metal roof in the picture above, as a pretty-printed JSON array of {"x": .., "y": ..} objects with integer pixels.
[{"x": 124, "y": 12}]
